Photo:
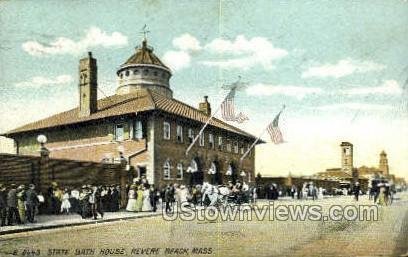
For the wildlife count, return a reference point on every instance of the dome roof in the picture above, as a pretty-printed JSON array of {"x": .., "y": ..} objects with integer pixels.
[{"x": 144, "y": 55}]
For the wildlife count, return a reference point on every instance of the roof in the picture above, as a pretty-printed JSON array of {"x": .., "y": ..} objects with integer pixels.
[
  {"x": 144, "y": 55},
  {"x": 116, "y": 105}
]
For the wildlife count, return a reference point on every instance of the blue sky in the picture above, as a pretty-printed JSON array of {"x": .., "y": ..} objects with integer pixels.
[{"x": 339, "y": 66}]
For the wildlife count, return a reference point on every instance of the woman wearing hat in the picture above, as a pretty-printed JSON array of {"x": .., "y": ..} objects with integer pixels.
[
  {"x": 132, "y": 198},
  {"x": 139, "y": 199},
  {"x": 21, "y": 203}
]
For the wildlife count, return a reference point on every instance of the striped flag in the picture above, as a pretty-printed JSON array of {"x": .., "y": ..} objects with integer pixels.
[
  {"x": 228, "y": 109},
  {"x": 274, "y": 131}
]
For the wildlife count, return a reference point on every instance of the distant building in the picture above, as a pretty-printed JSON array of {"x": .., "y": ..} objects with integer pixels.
[
  {"x": 346, "y": 157},
  {"x": 383, "y": 166}
]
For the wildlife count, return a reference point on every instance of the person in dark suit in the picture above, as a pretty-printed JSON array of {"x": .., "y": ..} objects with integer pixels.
[
  {"x": 3, "y": 205},
  {"x": 153, "y": 198},
  {"x": 13, "y": 214},
  {"x": 31, "y": 203},
  {"x": 356, "y": 191}
]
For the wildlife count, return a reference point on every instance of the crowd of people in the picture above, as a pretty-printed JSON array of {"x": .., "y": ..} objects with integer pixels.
[{"x": 20, "y": 204}]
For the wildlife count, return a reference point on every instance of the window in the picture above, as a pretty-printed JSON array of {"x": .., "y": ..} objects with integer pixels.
[
  {"x": 179, "y": 171},
  {"x": 119, "y": 132},
  {"x": 229, "y": 146},
  {"x": 121, "y": 75},
  {"x": 220, "y": 143},
  {"x": 235, "y": 147},
  {"x": 250, "y": 152},
  {"x": 127, "y": 73},
  {"x": 166, "y": 170},
  {"x": 138, "y": 129},
  {"x": 211, "y": 140},
  {"x": 135, "y": 71},
  {"x": 201, "y": 139},
  {"x": 166, "y": 130},
  {"x": 190, "y": 135},
  {"x": 145, "y": 71},
  {"x": 242, "y": 149},
  {"x": 155, "y": 73},
  {"x": 179, "y": 133}
]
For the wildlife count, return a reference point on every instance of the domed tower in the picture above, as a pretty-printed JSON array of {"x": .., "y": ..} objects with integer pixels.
[
  {"x": 144, "y": 70},
  {"x": 384, "y": 164}
]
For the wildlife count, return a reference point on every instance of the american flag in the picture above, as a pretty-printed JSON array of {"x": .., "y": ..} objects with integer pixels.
[
  {"x": 228, "y": 109},
  {"x": 274, "y": 131}
]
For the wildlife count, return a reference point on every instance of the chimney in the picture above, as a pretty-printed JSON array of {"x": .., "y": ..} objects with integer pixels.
[
  {"x": 205, "y": 106},
  {"x": 88, "y": 74}
]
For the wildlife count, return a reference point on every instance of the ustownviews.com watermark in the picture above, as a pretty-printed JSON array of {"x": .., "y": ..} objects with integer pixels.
[{"x": 246, "y": 212}]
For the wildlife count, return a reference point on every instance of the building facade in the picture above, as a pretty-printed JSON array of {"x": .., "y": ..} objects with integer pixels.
[{"x": 145, "y": 126}]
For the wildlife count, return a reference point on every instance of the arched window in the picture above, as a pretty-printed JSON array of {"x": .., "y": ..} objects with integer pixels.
[
  {"x": 179, "y": 171},
  {"x": 213, "y": 169},
  {"x": 193, "y": 167},
  {"x": 127, "y": 73},
  {"x": 166, "y": 169},
  {"x": 229, "y": 170}
]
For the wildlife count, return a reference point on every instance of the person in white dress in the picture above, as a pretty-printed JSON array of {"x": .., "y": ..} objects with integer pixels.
[
  {"x": 183, "y": 194},
  {"x": 146, "y": 200},
  {"x": 65, "y": 205},
  {"x": 132, "y": 199}
]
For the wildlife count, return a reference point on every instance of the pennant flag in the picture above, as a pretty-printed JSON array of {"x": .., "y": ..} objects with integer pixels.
[
  {"x": 228, "y": 109},
  {"x": 274, "y": 131}
]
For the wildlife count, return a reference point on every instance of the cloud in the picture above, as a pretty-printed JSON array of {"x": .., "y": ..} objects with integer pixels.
[
  {"x": 354, "y": 106},
  {"x": 186, "y": 45},
  {"x": 39, "y": 81},
  {"x": 187, "y": 42},
  {"x": 342, "y": 68},
  {"x": 244, "y": 53},
  {"x": 94, "y": 37},
  {"x": 177, "y": 60},
  {"x": 288, "y": 90},
  {"x": 389, "y": 87}
]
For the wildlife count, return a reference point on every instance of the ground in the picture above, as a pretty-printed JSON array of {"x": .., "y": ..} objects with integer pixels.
[{"x": 386, "y": 237}]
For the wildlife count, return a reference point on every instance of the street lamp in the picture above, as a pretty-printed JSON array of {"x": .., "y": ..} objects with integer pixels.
[{"x": 42, "y": 139}]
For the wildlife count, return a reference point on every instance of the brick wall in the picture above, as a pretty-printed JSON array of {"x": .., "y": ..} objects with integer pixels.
[{"x": 175, "y": 151}]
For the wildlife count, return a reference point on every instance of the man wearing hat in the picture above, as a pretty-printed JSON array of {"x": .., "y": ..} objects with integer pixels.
[
  {"x": 31, "y": 202},
  {"x": 13, "y": 214},
  {"x": 3, "y": 205}
]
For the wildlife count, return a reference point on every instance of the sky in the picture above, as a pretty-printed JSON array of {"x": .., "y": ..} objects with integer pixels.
[{"x": 339, "y": 67}]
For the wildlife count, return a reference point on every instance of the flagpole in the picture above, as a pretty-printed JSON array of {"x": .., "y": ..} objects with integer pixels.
[
  {"x": 253, "y": 144},
  {"x": 256, "y": 141},
  {"x": 206, "y": 123}
]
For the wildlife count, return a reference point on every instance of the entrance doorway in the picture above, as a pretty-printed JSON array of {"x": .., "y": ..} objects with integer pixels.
[{"x": 142, "y": 171}]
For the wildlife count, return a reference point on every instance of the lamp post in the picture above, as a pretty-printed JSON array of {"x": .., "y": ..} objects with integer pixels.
[{"x": 44, "y": 154}]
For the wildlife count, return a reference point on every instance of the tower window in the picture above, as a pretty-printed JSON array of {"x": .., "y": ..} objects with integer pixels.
[
  {"x": 127, "y": 73},
  {"x": 121, "y": 75},
  {"x": 155, "y": 73},
  {"x": 145, "y": 71},
  {"x": 135, "y": 71}
]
